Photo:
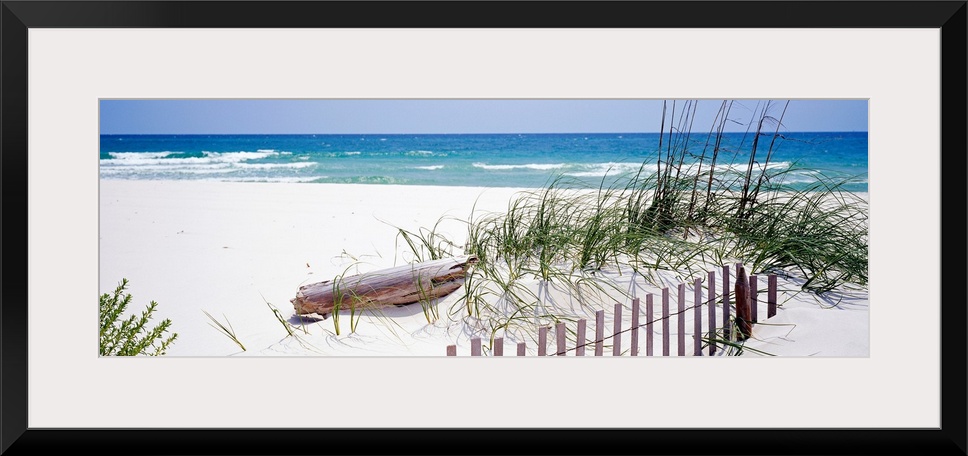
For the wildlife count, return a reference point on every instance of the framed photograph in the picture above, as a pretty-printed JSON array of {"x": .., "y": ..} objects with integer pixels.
[{"x": 261, "y": 165}]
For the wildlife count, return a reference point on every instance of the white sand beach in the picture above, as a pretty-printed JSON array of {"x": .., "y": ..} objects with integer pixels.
[{"x": 238, "y": 250}]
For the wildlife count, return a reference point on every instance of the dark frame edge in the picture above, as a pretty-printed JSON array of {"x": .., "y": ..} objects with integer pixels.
[
  {"x": 436, "y": 14},
  {"x": 13, "y": 186},
  {"x": 15, "y": 436},
  {"x": 954, "y": 106}
]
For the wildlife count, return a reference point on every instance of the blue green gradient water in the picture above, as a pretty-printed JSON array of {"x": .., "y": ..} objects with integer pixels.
[{"x": 479, "y": 160}]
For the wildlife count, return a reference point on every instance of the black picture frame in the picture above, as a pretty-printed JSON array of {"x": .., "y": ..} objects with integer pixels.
[{"x": 18, "y": 16}]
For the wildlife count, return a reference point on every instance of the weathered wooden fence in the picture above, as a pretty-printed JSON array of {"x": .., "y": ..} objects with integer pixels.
[{"x": 712, "y": 336}]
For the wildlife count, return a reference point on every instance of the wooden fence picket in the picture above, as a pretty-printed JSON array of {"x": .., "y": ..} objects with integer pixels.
[
  {"x": 599, "y": 332},
  {"x": 560, "y": 338},
  {"x": 697, "y": 318},
  {"x": 741, "y": 296},
  {"x": 543, "y": 341},
  {"x": 665, "y": 321},
  {"x": 771, "y": 296},
  {"x": 649, "y": 329},
  {"x": 498, "y": 346},
  {"x": 753, "y": 305},
  {"x": 711, "y": 290},
  {"x": 681, "y": 321},
  {"x": 617, "y": 330},
  {"x": 635, "y": 327},
  {"x": 476, "y": 346},
  {"x": 580, "y": 343}
]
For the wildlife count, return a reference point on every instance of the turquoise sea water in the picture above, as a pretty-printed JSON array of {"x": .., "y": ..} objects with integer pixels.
[{"x": 480, "y": 160}]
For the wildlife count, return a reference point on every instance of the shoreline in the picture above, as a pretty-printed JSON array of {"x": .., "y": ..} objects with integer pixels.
[{"x": 234, "y": 249}]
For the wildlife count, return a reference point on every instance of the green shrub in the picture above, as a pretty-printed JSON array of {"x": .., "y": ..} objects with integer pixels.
[{"x": 130, "y": 337}]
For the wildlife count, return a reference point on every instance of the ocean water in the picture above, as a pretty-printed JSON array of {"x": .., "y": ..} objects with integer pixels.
[{"x": 798, "y": 160}]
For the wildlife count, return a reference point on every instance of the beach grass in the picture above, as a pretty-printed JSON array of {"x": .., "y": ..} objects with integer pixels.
[
  {"x": 681, "y": 219},
  {"x": 282, "y": 321},
  {"x": 225, "y": 329}
]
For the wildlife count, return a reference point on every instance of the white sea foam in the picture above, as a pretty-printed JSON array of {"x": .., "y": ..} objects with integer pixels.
[
  {"x": 741, "y": 167},
  {"x": 167, "y": 169},
  {"x": 420, "y": 153},
  {"x": 536, "y": 166},
  {"x": 235, "y": 157},
  {"x": 430, "y": 168},
  {"x": 140, "y": 155},
  {"x": 140, "y": 159},
  {"x": 273, "y": 151},
  {"x": 610, "y": 169},
  {"x": 795, "y": 179},
  {"x": 149, "y": 164},
  {"x": 343, "y": 154},
  {"x": 616, "y": 169},
  {"x": 145, "y": 162},
  {"x": 275, "y": 165}
]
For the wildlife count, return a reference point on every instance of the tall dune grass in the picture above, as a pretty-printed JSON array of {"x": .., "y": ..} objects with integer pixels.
[{"x": 699, "y": 208}]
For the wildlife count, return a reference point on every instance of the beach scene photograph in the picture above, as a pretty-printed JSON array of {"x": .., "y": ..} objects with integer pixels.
[{"x": 483, "y": 227}]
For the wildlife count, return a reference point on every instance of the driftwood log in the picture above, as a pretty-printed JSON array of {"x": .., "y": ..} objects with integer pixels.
[
  {"x": 387, "y": 287},
  {"x": 744, "y": 312}
]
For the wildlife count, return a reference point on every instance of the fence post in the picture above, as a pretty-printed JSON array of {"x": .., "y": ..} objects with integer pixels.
[
  {"x": 451, "y": 350},
  {"x": 665, "y": 321},
  {"x": 580, "y": 343},
  {"x": 499, "y": 346},
  {"x": 726, "y": 328},
  {"x": 635, "y": 327},
  {"x": 648, "y": 325},
  {"x": 753, "y": 298},
  {"x": 521, "y": 349},
  {"x": 560, "y": 338},
  {"x": 771, "y": 296},
  {"x": 617, "y": 331},
  {"x": 681, "y": 322},
  {"x": 743, "y": 324},
  {"x": 476, "y": 346},
  {"x": 599, "y": 332},
  {"x": 712, "y": 311},
  {"x": 697, "y": 318},
  {"x": 543, "y": 341}
]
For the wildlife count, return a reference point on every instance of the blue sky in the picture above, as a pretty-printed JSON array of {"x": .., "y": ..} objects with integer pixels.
[{"x": 453, "y": 116}]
